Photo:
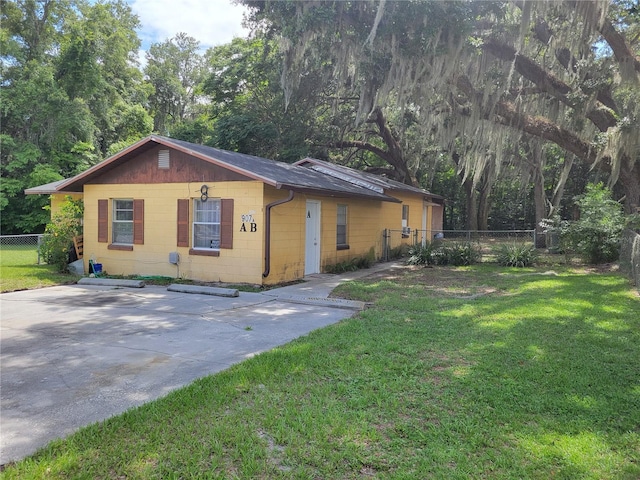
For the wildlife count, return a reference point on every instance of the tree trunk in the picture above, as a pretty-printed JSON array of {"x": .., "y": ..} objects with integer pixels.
[
  {"x": 484, "y": 197},
  {"x": 539, "y": 195},
  {"x": 558, "y": 192},
  {"x": 484, "y": 204},
  {"x": 393, "y": 155},
  {"x": 630, "y": 181},
  {"x": 471, "y": 200},
  {"x": 472, "y": 204},
  {"x": 540, "y": 201},
  {"x": 484, "y": 207}
]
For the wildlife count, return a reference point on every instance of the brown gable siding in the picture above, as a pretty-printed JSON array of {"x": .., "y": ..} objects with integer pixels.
[
  {"x": 103, "y": 221},
  {"x": 183, "y": 222},
  {"x": 183, "y": 168}
]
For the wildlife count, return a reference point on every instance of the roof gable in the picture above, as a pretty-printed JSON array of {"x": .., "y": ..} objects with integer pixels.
[{"x": 164, "y": 165}]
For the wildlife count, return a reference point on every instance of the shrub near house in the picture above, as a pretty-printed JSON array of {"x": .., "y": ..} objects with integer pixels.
[
  {"x": 596, "y": 235},
  {"x": 65, "y": 224}
]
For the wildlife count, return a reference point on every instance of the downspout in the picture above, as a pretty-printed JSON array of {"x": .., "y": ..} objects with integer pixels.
[{"x": 267, "y": 233}]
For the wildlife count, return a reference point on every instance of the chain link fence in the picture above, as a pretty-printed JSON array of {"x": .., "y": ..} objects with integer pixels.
[
  {"x": 630, "y": 255},
  {"x": 393, "y": 241},
  {"x": 22, "y": 246}
]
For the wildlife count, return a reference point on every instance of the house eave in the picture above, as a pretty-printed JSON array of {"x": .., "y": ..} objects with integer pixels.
[
  {"x": 323, "y": 192},
  {"x": 52, "y": 188}
]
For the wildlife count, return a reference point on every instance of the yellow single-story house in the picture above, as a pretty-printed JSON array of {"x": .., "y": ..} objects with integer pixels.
[{"x": 172, "y": 208}]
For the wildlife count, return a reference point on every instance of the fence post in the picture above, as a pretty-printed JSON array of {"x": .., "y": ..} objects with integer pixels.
[
  {"x": 384, "y": 245},
  {"x": 39, "y": 244}
]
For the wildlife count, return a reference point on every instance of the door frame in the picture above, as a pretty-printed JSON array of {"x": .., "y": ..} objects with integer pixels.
[{"x": 312, "y": 237}]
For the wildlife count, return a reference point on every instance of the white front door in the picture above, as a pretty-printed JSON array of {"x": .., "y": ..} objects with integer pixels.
[{"x": 312, "y": 242}]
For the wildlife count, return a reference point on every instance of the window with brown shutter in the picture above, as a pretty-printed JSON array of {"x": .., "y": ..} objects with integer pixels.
[
  {"x": 103, "y": 221},
  {"x": 226, "y": 223},
  {"x": 211, "y": 226},
  {"x": 183, "y": 222},
  {"x": 138, "y": 222}
]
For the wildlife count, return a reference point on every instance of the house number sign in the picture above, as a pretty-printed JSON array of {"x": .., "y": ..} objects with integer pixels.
[{"x": 247, "y": 218}]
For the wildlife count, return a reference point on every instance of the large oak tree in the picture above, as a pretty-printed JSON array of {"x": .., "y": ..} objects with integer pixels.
[{"x": 485, "y": 78}]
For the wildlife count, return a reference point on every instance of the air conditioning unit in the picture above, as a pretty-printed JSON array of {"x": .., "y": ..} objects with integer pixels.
[{"x": 406, "y": 231}]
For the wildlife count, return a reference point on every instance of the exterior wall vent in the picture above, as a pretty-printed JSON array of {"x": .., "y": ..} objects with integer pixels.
[{"x": 163, "y": 159}]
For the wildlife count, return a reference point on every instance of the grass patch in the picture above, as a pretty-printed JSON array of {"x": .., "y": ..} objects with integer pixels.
[
  {"x": 19, "y": 270},
  {"x": 471, "y": 372}
]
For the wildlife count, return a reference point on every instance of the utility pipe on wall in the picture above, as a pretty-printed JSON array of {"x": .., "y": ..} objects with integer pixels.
[{"x": 267, "y": 233}]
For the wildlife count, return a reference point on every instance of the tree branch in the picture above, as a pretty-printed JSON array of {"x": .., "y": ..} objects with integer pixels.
[
  {"x": 543, "y": 33},
  {"x": 505, "y": 113},
  {"x": 601, "y": 118},
  {"x": 617, "y": 42},
  {"x": 360, "y": 145}
]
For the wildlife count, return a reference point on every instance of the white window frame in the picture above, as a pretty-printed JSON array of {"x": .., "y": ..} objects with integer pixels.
[
  {"x": 345, "y": 224},
  {"x": 213, "y": 244},
  {"x": 119, "y": 211},
  {"x": 406, "y": 230}
]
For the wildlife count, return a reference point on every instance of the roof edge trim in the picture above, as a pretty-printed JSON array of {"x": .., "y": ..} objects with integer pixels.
[{"x": 102, "y": 164}]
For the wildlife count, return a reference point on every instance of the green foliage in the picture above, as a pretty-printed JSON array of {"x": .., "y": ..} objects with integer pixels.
[
  {"x": 341, "y": 267},
  {"x": 175, "y": 69},
  {"x": 460, "y": 254},
  {"x": 352, "y": 265},
  {"x": 398, "y": 252},
  {"x": 596, "y": 235},
  {"x": 194, "y": 131},
  {"x": 247, "y": 103},
  {"x": 70, "y": 89},
  {"x": 439, "y": 253},
  {"x": 427, "y": 254},
  {"x": 59, "y": 234},
  {"x": 516, "y": 255}
]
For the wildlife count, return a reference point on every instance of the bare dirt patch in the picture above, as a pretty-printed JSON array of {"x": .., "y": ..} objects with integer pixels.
[{"x": 442, "y": 281}]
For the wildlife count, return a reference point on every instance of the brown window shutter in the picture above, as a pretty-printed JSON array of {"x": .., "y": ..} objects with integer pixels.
[
  {"x": 226, "y": 223},
  {"x": 183, "y": 222},
  {"x": 103, "y": 221},
  {"x": 138, "y": 222}
]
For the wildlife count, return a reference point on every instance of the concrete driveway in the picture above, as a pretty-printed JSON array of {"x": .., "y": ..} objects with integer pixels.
[{"x": 74, "y": 355}]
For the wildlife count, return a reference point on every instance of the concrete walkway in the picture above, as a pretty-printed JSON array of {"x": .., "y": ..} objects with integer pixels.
[{"x": 74, "y": 355}]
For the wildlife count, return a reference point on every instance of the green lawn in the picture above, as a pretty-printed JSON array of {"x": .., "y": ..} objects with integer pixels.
[
  {"x": 19, "y": 270},
  {"x": 452, "y": 373}
]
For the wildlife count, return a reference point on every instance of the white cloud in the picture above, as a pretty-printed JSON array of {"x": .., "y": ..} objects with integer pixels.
[
  {"x": 142, "y": 59},
  {"x": 211, "y": 22}
]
